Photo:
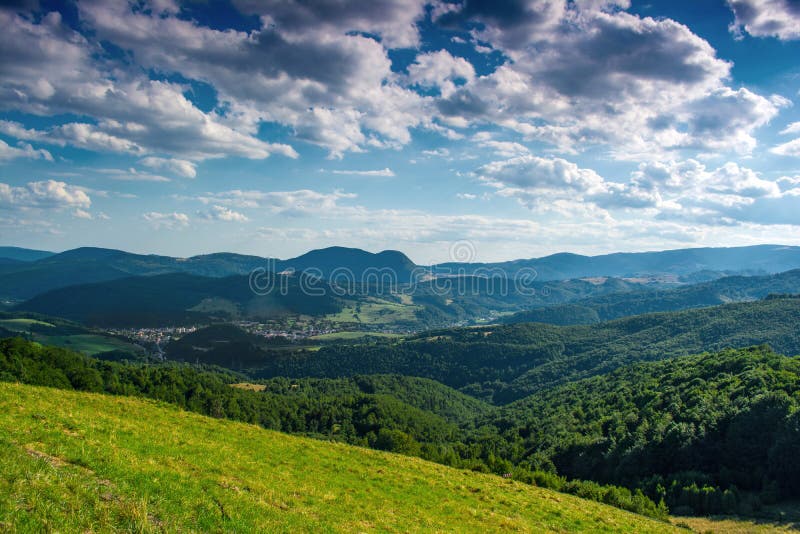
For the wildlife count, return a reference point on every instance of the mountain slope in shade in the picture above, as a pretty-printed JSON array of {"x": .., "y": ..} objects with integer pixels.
[
  {"x": 23, "y": 254},
  {"x": 358, "y": 262},
  {"x": 90, "y": 264},
  {"x": 86, "y": 462},
  {"x": 176, "y": 298}
]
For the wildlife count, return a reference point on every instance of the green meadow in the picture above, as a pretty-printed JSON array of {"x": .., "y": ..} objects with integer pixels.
[{"x": 78, "y": 462}]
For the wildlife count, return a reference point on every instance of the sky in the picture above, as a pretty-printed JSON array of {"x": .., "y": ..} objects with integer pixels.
[{"x": 487, "y": 130}]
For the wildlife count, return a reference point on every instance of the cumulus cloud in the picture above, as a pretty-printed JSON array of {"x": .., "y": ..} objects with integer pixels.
[
  {"x": 393, "y": 21},
  {"x": 22, "y": 150},
  {"x": 441, "y": 70},
  {"x": 682, "y": 190},
  {"x": 504, "y": 149},
  {"x": 511, "y": 24},
  {"x": 335, "y": 88},
  {"x": 221, "y": 213},
  {"x": 575, "y": 74},
  {"x": 166, "y": 221},
  {"x": 45, "y": 195},
  {"x": 181, "y": 167},
  {"x": 594, "y": 75},
  {"x": 791, "y": 148},
  {"x": 134, "y": 114},
  {"x": 766, "y": 18}
]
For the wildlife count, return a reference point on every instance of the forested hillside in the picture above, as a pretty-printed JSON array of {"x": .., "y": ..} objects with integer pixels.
[
  {"x": 505, "y": 363},
  {"x": 174, "y": 299},
  {"x": 698, "y": 431}
]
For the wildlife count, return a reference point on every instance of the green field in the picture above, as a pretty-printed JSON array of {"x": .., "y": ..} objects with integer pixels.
[
  {"x": 78, "y": 462},
  {"x": 89, "y": 344},
  {"x": 373, "y": 311}
]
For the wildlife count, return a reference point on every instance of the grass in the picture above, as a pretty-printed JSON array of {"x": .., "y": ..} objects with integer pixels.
[
  {"x": 77, "y": 462},
  {"x": 374, "y": 311},
  {"x": 733, "y": 525}
]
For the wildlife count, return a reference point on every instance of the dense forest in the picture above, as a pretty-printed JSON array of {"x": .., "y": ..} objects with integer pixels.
[
  {"x": 504, "y": 363},
  {"x": 705, "y": 433}
]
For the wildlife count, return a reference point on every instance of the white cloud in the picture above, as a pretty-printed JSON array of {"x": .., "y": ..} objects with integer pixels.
[
  {"x": 680, "y": 191},
  {"x": 791, "y": 128},
  {"x": 380, "y": 172},
  {"x": 181, "y": 167},
  {"x": 441, "y": 70},
  {"x": 82, "y": 214},
  {"x": 334, "y": 87},
  {"x": 45, "y": 194},
  {"x": 644, "y": 87},
  {"x": 133, "y": 114},
  {"x": 22, "y": 150},
  {"x": 791, "y": 148},
  {"x": 221, "y": 213},
  {"x": 168, "y": 221},
  {"x": 766, "y": 18},
  {"x": 504, "y": 149},
  {"x": 437, "y": 152},
  {"x": 132, "y": 175},
  {"x": 303, "y": 202}
]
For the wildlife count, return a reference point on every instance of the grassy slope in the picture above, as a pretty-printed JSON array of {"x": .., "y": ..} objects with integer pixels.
[{"x": 77, "y": 462}]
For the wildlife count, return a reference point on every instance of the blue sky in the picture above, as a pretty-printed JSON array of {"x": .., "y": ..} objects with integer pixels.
[{"x": 274, "y": 127}]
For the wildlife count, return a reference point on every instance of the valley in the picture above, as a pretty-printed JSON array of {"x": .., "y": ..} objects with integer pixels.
[{"x": 640, "y": 394}]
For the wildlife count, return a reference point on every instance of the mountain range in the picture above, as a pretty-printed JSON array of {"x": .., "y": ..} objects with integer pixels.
[{"x": 25, "y": 273}]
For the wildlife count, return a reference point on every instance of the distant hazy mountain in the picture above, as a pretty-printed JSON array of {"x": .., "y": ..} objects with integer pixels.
[
  {"x": 24, "y": 279},
  {"x": 634, "y": 302},
  {"x": 23, "y": 254},
  {"x": 89, "y": 264},
  {"x": 764, "y": 258}
]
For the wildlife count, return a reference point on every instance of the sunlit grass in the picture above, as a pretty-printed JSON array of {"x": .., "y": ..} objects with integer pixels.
[{"x": 77, "y": 462}]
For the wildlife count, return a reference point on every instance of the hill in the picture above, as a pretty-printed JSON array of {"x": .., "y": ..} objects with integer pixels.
[
  {"x": 23, "y": 254},
  {"x": 85, "y": 462},
  {"x": 698, "y": 431},
  {"x": 606, "y": 307},
  {"x": 354, "y": 265},
  {"x": 91, "y": 264},
  {"x": 178, "y": 298},
  {"x": 503, "y": 363},
  {"x": 41, "y": 271}
]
